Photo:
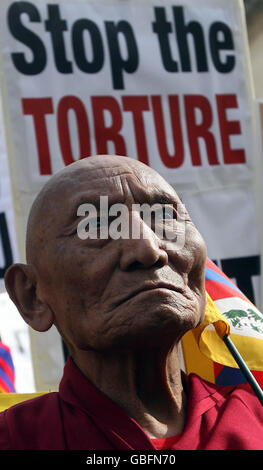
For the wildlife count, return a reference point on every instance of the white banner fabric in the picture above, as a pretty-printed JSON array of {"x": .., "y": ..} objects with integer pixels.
[{"x": 8, "y": 239}]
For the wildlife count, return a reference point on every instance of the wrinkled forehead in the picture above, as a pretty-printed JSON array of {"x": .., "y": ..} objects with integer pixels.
[
  {"x": 123, "y": 180},
  {"x": 118, "y": 182}
]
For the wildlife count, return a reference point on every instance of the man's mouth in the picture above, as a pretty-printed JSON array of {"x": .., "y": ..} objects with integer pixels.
[{"x": 150, "y": 286}]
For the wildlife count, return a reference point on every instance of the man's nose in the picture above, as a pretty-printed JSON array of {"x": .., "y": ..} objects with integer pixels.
[{"x": 142, "y": 251}]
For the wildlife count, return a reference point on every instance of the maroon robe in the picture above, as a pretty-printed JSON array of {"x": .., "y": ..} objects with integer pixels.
[{"x": 81, "y": 417}]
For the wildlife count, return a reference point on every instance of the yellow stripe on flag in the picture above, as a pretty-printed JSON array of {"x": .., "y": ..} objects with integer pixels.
[{"x": 194, "y": 360}]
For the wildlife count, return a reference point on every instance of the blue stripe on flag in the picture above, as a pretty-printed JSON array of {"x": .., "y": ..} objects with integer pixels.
[
  {"x": 230, "y": 376},
  {"x": 211, "y": 275},
  {"x": 6, "y": 380},
  {"x": 6, "y": 356}
]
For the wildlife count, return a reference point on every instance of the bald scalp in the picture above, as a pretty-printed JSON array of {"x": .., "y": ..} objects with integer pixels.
[
  {"x": 38, "y": 219},
  {"x": 46, "y": 204}
]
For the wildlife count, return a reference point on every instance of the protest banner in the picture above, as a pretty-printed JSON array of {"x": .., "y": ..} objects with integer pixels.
[
  {"x": 8, "y": 239},
  {"x": 167, "y": 84}
]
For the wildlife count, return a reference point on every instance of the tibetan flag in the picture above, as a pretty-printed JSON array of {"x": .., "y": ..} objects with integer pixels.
[
  {"x": 7, "y": 378},
  {"x": 228, "y": 311}
]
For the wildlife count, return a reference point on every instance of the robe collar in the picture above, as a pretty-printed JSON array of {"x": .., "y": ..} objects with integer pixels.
[{"x": 122, "y": 430}]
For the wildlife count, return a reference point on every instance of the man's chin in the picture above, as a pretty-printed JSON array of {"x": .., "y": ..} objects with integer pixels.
[{"x": 167, "y": 330}]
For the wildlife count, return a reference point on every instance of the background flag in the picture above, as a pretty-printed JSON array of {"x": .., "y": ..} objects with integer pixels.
[
  {"x": 7, "y": 376},
  {"x": 228, "y": 311}
]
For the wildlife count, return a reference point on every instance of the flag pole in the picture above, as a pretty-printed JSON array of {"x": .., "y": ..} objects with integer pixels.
[{"x": 243, "y": 367}]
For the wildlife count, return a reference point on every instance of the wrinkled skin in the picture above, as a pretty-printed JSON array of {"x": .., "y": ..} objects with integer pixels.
[
  {"x": 114, "y": 299},
  {"x": 86, "y": 282}
]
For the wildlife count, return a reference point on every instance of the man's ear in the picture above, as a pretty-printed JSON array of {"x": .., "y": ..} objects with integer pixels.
[{"x": 21, "y": 285}]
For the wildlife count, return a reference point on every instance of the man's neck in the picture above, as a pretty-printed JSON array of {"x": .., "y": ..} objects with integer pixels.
[{"x": 145, "y": 384}]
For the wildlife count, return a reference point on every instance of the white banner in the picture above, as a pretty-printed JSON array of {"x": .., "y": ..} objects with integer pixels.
[
  {"x": 166, "y": 83},
  {"x": 8, "y": 241}
]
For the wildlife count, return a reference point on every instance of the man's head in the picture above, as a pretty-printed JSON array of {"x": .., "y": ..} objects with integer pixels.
[{"x": 104, "y": 294}]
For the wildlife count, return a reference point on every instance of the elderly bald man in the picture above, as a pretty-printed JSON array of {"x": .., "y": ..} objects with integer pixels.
[{"x": 121, "y": 306}]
